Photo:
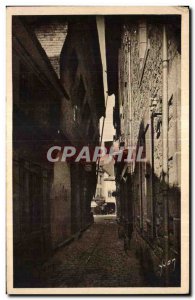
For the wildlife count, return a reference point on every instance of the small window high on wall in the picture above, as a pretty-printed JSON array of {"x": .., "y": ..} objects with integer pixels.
[{"x": 142, "y": 41}]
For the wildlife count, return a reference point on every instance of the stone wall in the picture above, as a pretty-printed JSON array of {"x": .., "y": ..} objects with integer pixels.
[{"x": 140, "y": 83}]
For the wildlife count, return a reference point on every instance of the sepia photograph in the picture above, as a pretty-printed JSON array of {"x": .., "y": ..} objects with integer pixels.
[{"x": 98, "y": 150}]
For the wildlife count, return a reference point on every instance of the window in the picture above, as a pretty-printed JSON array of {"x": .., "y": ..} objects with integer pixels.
[{"x": 109, "y": 194}]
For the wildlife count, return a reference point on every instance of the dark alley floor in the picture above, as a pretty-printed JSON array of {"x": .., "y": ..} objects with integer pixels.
[{"x": 97, "y": 259}]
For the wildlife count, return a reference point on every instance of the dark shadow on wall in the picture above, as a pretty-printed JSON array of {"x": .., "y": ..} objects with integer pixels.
[{"x": 143, "y": 215}]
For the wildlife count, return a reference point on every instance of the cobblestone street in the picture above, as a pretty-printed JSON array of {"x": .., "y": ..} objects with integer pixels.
[{"x": 96, "y": 259}]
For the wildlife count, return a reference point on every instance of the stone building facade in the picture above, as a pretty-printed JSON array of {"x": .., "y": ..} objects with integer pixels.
[
  {"x": 81, "y": 74},
  {"x": 51, "y": 201},
  {"x": 147, "y": 96}
]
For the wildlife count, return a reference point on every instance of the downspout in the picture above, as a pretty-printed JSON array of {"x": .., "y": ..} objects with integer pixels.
[
  {"x": 165, "y": 152},
  {"x": 129, "y": 95}
]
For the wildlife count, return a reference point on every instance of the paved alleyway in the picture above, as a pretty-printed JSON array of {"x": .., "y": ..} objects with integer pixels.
[{"x": 97, "y": 259}]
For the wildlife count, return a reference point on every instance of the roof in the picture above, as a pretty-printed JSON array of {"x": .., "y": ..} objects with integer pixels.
[{"x": 30, "y": 44}]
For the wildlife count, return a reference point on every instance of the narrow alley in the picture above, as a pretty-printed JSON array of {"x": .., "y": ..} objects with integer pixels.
[
  {"x": 96, "y": 151},
  {"x": 97, "y": 259}
]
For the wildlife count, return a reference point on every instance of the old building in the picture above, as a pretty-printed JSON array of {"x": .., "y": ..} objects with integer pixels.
[
  {"x": 143, "y": 58},
  {"x": 81, "y": 75},
  {"x": 109, "y": 190},
  {"x": 51, "y": 201},
  {"x": 104, "y": 196},
  {"x": 37, "y": 95}
]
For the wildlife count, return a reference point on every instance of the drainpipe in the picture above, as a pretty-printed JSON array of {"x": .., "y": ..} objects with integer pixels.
[
  {"x": 165, "y": 152},
  {"x": 129, "y": 97}
]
